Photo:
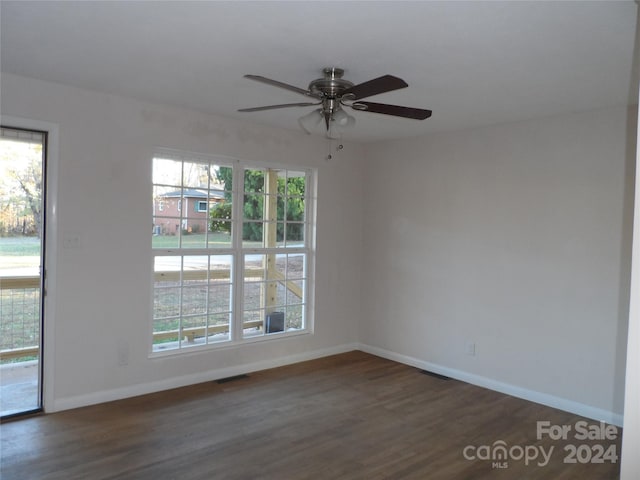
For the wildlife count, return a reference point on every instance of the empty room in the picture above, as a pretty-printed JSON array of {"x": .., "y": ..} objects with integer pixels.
[{"x": 319, "y": 240}]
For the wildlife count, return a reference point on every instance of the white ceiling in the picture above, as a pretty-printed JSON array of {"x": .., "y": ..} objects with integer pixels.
[{"x": 472, "y": 63}]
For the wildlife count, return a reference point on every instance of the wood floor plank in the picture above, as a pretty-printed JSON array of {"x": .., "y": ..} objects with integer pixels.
[{"x": 352, "y": 416}]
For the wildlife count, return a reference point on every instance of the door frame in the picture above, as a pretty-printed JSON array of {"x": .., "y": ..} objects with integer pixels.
[{"x": 50, "y": 248}]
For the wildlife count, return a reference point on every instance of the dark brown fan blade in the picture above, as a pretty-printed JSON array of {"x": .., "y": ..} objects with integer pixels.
[
  {"x": 276, "y": 83},
  {"x": 273, "y": 107},
  {"x": 396, "y": 110},
  {"x": 386, "y": 83}
]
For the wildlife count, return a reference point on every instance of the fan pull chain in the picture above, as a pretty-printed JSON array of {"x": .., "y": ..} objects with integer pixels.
[
  {"x": 338, "y": 147},
  {"x": 330, "y": 149}
]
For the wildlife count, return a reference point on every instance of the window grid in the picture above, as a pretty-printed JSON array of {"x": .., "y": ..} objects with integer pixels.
[{"x": 266, "y": 244}]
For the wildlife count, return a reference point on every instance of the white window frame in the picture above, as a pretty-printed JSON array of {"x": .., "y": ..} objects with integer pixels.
[{"x": 238, "y": 252}]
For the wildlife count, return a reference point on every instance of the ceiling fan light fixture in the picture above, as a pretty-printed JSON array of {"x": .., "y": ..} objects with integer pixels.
[
  {"x": 340, "y": 121},
  {"x": 334, "y": 132},
  {"x": 343, "y": 119},
  {"x": 310, "y": 121}
]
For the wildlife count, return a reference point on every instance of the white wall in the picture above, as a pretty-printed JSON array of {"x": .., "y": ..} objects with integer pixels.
[
  {"x": 103, "y": 296},
  {"x": 515, "y": 237}
]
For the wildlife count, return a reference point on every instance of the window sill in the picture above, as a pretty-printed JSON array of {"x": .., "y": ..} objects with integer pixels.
[{"x": 197, "y": 349}]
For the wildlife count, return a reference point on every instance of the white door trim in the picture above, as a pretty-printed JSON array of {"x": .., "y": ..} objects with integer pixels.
[{"x": 47, "y": 357}]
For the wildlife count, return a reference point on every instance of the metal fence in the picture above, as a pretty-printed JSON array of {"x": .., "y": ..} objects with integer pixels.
[{"x": 19, "y": 318}]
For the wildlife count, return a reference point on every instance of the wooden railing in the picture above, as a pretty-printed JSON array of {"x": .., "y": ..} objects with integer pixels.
[
  {"x": 191, "y": 333},
  {"x": 19, "y": 353},
  {"x": 274, "y": 275},
  {"x": 18, "y": 283}
]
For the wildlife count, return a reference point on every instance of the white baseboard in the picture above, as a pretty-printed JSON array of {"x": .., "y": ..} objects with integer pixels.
[
  {"x": 192, "y": 379},
  {"x": 513, "y": 390},
  {"x": 212, "y": 375}
]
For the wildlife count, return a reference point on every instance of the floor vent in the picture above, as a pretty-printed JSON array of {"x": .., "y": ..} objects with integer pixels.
[
  {"x": 435, "y": 375},
  {"x": 232, "y": 379}
]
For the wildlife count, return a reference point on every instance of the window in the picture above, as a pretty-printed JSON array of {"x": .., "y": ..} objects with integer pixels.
[
  {"x": 274, "y": 250},
  {"x": 242, "y": 271}
]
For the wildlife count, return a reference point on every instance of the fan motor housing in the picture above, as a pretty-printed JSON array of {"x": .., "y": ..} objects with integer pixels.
[{"x": 332, "y": 85}]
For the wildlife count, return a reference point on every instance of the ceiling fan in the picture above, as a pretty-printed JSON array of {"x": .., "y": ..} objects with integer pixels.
[{"x": 331, "y": 93}]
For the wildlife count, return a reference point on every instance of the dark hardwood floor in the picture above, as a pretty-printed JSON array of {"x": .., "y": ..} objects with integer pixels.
[{"x": 350, "y": 416}]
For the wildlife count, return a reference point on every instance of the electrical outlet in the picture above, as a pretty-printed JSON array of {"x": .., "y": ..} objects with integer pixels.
[{"x": 470, "y": 348}]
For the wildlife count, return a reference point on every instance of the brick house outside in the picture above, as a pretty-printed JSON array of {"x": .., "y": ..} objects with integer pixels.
[{"x": 184, "y": 209}]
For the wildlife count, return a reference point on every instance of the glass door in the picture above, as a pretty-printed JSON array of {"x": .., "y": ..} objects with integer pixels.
[{"x": 22, "y": 167}]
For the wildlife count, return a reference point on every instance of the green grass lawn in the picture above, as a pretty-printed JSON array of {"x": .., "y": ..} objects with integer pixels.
[
  {"x": 30, "y": 246},
  {"x": 198, "y": 240},
  {"x": 192, "y": 240},
  {"x": 19, "y": 246}
]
